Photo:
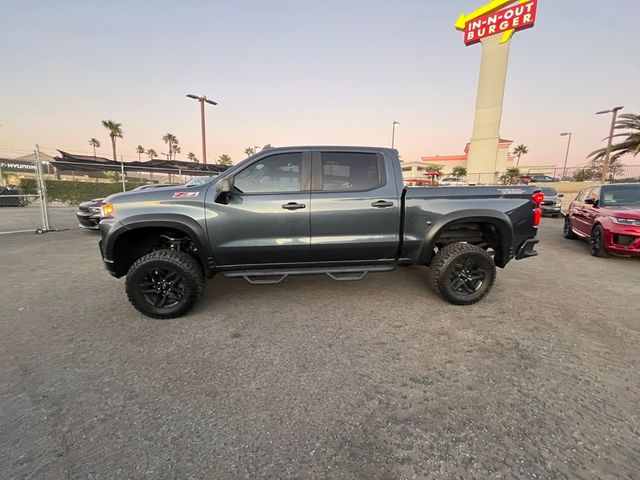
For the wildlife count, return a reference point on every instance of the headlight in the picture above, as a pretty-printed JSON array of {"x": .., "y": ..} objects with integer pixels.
[
  {"x": 558, "y": 203},
  {"x": 107, "y": 210},
  {"x": 625, "y": 221},
  {"x": 96, "y": 210}
]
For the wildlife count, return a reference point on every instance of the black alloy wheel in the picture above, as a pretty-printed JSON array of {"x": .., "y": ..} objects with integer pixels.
[
  {"x": 463, "y": 273},
  {"x": 567, "y": 232},
  {"x": 597, "y": 242},
  {"x": 164, "y": 283},
  {"x": 162, "y": 287},
  {"x": 467, "y": 276}
]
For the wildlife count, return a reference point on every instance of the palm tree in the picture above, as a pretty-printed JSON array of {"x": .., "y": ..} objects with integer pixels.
[
  {"x": 459, "y": 172},
  {"x": 171, "y": 140},
  {"x": 629, "y": 121},
  {"x": 224, "y": 159},
  {"x": 520, "y": 150},
  {"x": 175, "y": 149},
  {"x": 95, "y": 143},
  {"x": 151, "y": 153},
  {"x": 629, "y": 145},
  {"x": 139, "y": 151},
  {"x": 249, "y": 151},
  {"x": 510, "y": 175},
  {"x": 115, "y": 131},
  {"x": 192, "y": 156}
]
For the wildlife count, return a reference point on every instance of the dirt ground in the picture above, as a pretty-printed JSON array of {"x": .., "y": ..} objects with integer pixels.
[{"x": 377, "y": 379}]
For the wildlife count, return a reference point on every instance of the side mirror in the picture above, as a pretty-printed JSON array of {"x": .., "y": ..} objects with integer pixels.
[
  {"x": 224, "y": 190},
  {"x": 560, "y": 195},
  {"x": 590, "y": 201},
  {"x": 225, "y": 186}
]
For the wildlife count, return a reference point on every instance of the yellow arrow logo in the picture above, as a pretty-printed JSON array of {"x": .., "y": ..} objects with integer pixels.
[{"x": 488, "y": 8}]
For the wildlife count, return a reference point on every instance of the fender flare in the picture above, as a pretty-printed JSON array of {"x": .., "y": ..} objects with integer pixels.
[
  {"x": 174, "y": 221},
  {"x": 499, "y": 220}
]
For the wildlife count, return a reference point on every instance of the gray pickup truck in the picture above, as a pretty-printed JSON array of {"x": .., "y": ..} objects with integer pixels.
[{"x": 341, "y": 211}]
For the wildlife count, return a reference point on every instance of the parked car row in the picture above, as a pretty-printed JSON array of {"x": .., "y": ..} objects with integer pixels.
[
  {"x": 527, "y": 179},
  {"x": 9, "y": 197}
]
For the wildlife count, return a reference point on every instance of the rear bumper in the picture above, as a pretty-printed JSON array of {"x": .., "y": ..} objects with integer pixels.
[{"x": 526, "y": 249}]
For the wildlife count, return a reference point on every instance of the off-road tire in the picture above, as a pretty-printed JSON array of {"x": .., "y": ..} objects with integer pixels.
[
  {"x": 596, "y": 242},
  {"x": 452, "y": 259},
  {"x": 186, "y": 283},
  {"x": 567, "y": 232}
]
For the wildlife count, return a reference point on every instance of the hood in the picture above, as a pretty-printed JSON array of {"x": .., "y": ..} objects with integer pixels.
[
  {"x": 177, "y": 192},
  {"x": 622, "y": 212},
  {"x": 92, "y": 203}
]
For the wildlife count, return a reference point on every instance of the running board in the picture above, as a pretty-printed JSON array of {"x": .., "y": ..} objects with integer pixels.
[{"x": 343, "y": 274}]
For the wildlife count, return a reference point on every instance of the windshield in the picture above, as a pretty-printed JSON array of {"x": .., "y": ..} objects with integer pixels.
[
  {"x": 549, "y": 192},
  {"x": 620, "y": 195},
  {"x": 194, "y": 182}
]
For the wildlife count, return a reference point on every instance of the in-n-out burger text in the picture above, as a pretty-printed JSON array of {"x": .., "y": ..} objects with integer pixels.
[{"x": 517, "y": 17}]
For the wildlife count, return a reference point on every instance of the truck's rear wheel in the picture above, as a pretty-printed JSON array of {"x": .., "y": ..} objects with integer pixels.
[
  {"x": 462, "y": 273},
  {"x": 164, "y": 284}
]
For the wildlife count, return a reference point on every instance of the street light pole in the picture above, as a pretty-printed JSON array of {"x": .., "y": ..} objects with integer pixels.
[
  {"x": 202, "y": 99},
  {"x": 605, "y": 167},
  {"x": 566, "y": 157},
  {"x": 393, "y": 133}
]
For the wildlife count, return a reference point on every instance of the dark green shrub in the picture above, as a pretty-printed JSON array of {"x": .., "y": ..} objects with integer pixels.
[{"x": 74, "y": 192}]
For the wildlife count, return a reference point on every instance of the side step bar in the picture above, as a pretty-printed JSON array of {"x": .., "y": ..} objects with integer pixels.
[{"x": 264, "y": 277}]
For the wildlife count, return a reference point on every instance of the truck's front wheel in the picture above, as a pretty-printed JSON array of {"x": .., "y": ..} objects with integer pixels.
[
  {"x": 463, "y": 273},
  {"x": 164, "y": 284}
]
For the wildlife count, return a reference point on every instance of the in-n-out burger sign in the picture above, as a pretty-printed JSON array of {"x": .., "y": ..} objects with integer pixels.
[{"x": 493, "y": 19}]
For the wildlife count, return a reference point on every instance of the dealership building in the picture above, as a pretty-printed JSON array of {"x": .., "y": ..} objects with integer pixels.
[
  {"x": 416, "y": 173},
  {"x": 413, "y": 173}
]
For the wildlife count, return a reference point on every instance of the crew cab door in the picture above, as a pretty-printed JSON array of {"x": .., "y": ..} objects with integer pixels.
[
  {"x": 355, "y": 207},
  {"x": 266, "y": 219},
  {"x": 579, "y": 212},
  {"x": 591, "y": 210}
]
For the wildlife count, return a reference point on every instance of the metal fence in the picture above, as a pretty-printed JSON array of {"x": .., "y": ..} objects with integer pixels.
[
  {"x": 40, "y": 198},
  {"x": 630, "y": 173}
]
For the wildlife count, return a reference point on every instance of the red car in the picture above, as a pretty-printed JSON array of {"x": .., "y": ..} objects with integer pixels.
[{"x": 609, "y": 216}]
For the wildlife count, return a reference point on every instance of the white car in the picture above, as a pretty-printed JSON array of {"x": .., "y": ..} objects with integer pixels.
[{"x": 453, "y": 182}]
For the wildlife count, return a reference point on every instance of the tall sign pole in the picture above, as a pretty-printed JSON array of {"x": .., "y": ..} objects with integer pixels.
[{"x": 492, "y": 26}]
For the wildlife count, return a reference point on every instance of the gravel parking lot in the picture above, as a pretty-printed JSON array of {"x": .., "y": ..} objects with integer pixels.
[{"x": 319, "y": 379}]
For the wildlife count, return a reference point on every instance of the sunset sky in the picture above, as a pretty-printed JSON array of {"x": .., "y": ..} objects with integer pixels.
[{"x": 299, "y": 72}]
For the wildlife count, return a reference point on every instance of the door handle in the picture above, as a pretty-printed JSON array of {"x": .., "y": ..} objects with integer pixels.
[
  {"x": 293, "y": 206},
  {"x": 382, "y": 204}
]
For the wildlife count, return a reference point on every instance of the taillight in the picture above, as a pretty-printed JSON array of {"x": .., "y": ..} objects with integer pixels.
[
  {"x": 537, "y": 215},
  {"x": 537, "y": 197}
]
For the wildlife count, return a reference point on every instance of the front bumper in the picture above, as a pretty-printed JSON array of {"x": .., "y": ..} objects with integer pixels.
[
  {"x": 623, "y": 239},
  {"x": 88, "y": 220},
  {"x": 526, "y": 249},
  {"x": 550, "y": 209}
]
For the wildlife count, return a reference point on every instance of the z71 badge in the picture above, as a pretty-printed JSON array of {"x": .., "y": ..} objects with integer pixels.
[{"x": 185, "y": 194}]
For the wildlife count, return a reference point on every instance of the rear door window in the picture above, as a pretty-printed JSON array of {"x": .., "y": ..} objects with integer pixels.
[{"x": 349, "y": 172}]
